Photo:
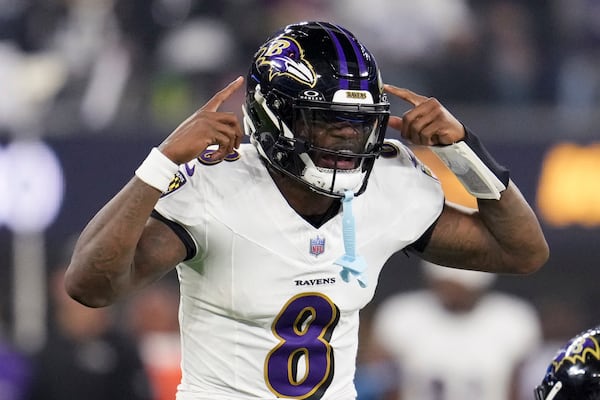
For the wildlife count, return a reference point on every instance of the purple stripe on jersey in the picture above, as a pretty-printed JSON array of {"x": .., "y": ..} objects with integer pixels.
[{"x": 341, "y": 56}]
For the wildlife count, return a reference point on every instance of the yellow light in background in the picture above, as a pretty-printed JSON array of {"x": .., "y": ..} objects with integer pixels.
[
  {"x": 569, "y": 186},
  {"x": 453, "y": 189}
]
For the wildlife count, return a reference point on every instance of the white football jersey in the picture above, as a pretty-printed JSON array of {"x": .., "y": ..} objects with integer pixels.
[
  {"x": 452, "y": 356},
  {"x": 264, "y": 313}
]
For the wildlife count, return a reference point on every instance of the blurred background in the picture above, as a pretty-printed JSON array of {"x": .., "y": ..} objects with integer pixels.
[{"x": 87, "y": 87}]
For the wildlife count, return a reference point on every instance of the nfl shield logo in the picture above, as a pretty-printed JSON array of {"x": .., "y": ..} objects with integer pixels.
[{"x": 317, "y": 246}]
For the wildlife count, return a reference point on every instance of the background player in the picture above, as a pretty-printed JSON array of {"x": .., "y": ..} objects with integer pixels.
[{"x": 456, "y": 339}]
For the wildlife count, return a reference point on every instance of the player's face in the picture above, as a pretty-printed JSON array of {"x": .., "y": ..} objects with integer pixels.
[{"x": 342, "y": 133}]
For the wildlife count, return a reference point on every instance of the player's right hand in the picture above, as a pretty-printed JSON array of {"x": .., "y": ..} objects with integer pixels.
[{"x": 207, "y": 126}]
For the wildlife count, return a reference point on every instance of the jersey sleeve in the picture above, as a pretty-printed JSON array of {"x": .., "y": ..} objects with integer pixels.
[
  {"x": 181, "y": 208},
  {"x": 183, "y": 235},
  {"x": 415, "y": 191}
]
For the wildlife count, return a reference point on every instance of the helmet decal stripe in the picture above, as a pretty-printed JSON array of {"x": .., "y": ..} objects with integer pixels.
[
  {"x": 341, "y": 38},
  {"x": 362, "y": 67},
  {"x": 341, "y": 56}
]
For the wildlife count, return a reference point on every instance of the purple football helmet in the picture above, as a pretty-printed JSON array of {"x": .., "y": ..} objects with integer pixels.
[
  {"x": 306, "y": 79},
  {"x": 574, "y": 373}
]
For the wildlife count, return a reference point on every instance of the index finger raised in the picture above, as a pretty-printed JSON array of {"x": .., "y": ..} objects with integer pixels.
[
  {"x": 405, "y": 94},
  {"x": 221, "y": 96}
]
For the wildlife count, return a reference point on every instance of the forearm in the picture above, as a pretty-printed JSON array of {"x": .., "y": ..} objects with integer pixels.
[
  {"x": 516, "y": 230},
  {"x": 501, "y": 236},
  {"x": 511, "y": 239},
  {"x": 102, "y": 265}
]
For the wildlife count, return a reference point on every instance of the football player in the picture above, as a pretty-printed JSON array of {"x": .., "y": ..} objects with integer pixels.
[
  {"x": 574, "y": 373},
  {"x": 278, "y": 243},
  {"x": 451, "y": 339}
]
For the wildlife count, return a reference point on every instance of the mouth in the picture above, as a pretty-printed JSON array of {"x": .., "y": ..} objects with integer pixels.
[{"x": 332, "y": 161}]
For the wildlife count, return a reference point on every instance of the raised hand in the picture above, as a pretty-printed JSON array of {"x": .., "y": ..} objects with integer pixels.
[
  {"x": 428, "y": 122},
  {"x": 207, "y": 126}
]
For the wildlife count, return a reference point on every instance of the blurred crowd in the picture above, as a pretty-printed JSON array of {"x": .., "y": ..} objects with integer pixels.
[
  {"x": 125, "y": 352},
  {"x": 86, "y": 66}
]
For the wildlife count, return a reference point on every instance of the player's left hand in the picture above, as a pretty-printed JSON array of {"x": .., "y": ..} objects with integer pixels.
[{"x": 428, "y": 122}]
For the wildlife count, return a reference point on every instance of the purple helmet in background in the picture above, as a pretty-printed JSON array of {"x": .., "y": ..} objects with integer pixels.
[{"x": 574, "y": 373}]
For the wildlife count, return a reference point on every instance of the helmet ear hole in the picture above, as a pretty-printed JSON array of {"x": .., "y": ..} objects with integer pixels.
[{"x": 266, "y": 139}]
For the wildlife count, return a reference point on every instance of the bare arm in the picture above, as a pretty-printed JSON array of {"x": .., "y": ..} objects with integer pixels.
[
  {"x": 122, "y": 249},
  {"x": 501, "y": 235}
]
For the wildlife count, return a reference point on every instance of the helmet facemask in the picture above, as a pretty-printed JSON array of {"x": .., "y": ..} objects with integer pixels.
[
  {"x": 330, "y": 147},
  {"x": 542, "y": 392}
]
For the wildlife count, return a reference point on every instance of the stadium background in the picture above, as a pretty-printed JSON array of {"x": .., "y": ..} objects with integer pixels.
[{"x": 100, "y": 83}]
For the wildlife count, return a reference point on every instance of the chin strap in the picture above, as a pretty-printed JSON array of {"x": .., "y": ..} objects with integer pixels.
[{"x": 350, "y": 262}]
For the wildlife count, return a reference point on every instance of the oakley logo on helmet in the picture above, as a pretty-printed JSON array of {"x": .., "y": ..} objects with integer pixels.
[
  {"x": 284, "y": 56},
  {"x": 311, "y": 95}
]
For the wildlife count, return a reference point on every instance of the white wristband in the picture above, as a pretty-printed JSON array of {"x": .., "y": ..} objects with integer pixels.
[
  {"x": 157, "y": 170},
  {"x": 475, "y": 176}
]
